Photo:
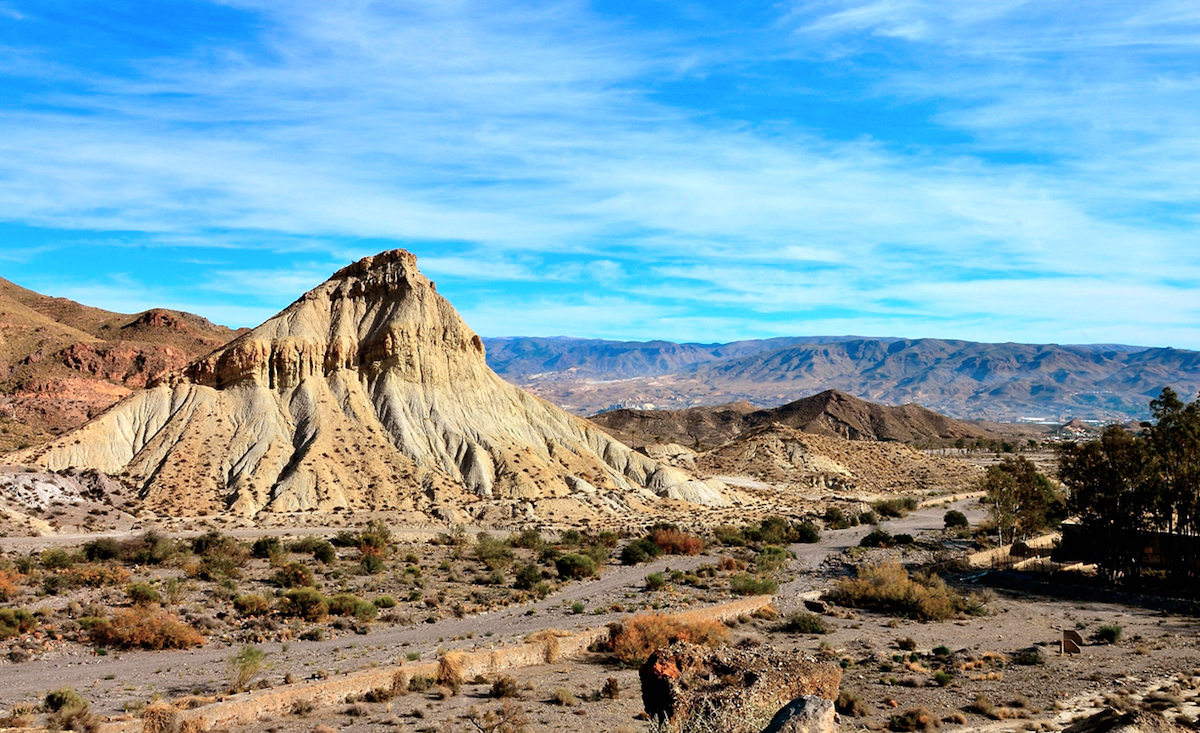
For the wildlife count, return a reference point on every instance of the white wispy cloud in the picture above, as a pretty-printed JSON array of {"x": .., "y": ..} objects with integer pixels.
[{"x": 525, "y": 143}]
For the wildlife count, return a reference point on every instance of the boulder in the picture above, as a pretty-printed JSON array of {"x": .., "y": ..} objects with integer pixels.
[
  {"x": 807, "y": 714},
  {"x": 731, "y": 690}
]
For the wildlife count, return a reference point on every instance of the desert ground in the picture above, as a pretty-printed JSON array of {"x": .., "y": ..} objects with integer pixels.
[{"x": 966, "y": 671}]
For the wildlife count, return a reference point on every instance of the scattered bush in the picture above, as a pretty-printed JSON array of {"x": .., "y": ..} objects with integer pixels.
[
  {"x": 802, "y": 622},
  {"x": 371, "y": 564},
  {"x": 1030, "y": 656},
  {"x": 16, "y": 621},
  {"x": 674, "y": 542},
  {"x": 346, "y": 604},
  {"x": 142, "y": 594},
  {"x": 898, "y": 506},
  {"x": 305, "y": 603},
  {"x": 611, "y": 689},
  {"x": 505, "y": 687},
  {"x": 955, "y": 519},
  {"x": 1109, "y": 633},
  {"x": 321, "y": 550},
  {"x": 877, "y": 538},
  {"x": 575, "y": 565},
  {"x": 294, "y": 575},
  {"x": 639, "y": 551},
  {"x": 244, "y": 667},
  {"x": 772, "y": 559},
  {"x": 903, "y": 540},
  {"x": 529, "y": 539},
  {"x": 265, "y": 547},
  {"x": 918, "y": 718},
  {"x": 745, "y": 584},
  {"x": 144, "y": 628},
  {"x": 835, "y": 518},
  {"x": 251, "y": 605},
  {"x": 385, "y": 601},
  {"x": 420, "y": 683},
  {"x": 493, "y": 553},
  {"x": 655, "y": 581},
  {"x": 636, "y": 639},
  {"x": 577, "y": 607},
  {"x": 729, "y": 535},
  {"x": 808, "y": 533},
  {"x": 848, "y": 703},
  {"x": 888, "y": 588},
  {"x": 564, "y": 697},
  {"x": 942, "y": 677}
]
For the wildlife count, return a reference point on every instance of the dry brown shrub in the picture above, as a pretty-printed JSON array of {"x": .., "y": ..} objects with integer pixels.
[
  {"x": 674, "y": 542},
  {"x": 549, "y": 639},
  {"x": 10, "y": 581},
  {"x": 955, "y": 719},
  {"x": 400, "y": 682},
  {"x": 994, "y": 676},
  {"x": 888, "y": 587},
  {"x": 636, "y": 639},
  {"x": 450, "y": 669},
  {"x": 193, "y": 725},
  {"x": 918, "y": 718},
  {"x": 94, "y": 575},
  {"x": 145, "y": 628},
  {"x": 994, "y": 657},
  {"x": 160, "y": 717}
]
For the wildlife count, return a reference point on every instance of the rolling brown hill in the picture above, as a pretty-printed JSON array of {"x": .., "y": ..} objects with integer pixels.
[
  {"x": 830, "y": 413},
  {"x": 368, "y": 392},
  {"x": 62, "y": 362}
]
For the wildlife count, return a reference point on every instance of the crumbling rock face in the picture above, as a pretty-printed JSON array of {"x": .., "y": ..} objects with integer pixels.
[
  {"x": 368, "y": 392},
  {"x": 734, "y": 690}
]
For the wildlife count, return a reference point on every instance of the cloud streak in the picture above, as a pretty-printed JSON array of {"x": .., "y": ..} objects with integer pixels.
[{"x": 532, "y": 152}]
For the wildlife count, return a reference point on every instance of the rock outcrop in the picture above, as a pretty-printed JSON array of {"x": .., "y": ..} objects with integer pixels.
[
  {"x": 733, "y": 690},
  {"x": 368, "y": 392}
]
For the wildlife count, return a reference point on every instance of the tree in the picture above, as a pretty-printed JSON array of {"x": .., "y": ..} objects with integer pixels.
[{"x": 1019, "y": 499}]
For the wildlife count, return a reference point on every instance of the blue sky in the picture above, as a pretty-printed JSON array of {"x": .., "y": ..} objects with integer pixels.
[{"x": 994, "y": 171}]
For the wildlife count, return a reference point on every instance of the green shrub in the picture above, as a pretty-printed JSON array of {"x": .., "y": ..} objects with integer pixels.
[
  {"x": 62, "y": 699},
  {"x": 577, "y": 607},
  {"x": 639, "y": 551},
  {"x": 955, "y": 519},
  {"x": 655, "y": 581},
  {"x": 294, "y": 575},
  {"x": 371, "y": 564},
  {"x": 528, "y": 576},
  {"x": 321, "y": 550},
  {"x": 835, "y": 518},
  {"x": 1030, "y": 656},
  {"x": 745, "y": 584},
  {"x": 877, "y": 538},
  {"x": 251, "y": 605},
  {"x": 570, "y": 538},
  {"x": 868, "y": 517},
  {"x": 493, "y": 553},
  {"x": 574, "y": 565},
  {"x": 16, "y": 621},
  {"x": 808, "y": 533},
  {"x": 305, "y": 603},
  {"x": 346, "y": 604},
  {"x": 728, "y": 535},
  {"x": 942, "y": 678},
  {"x": 802, "y": 622},
  {"x": 1109, "y": 633},
  {"x": 142, "y": 594},
  {"x": 265, "y": 547},
  {"x": 529, "y": 539},
  {"x": 385, "y": 602},
  {"x": 772, "y": 559},
  {"x": 903, "y": 539},
  {"x": 420, "y": 683},
  {"x": 898, "y": 506},
  {"x": 244, "y": 667}
]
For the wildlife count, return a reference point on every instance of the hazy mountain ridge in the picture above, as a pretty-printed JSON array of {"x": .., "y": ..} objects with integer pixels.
[{"x": 963, "y": 379}]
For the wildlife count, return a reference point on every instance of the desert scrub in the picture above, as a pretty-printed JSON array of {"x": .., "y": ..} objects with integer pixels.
[
  {"x": 144, "y": 627},
  {"x": 888, "y": 588},
  {"x": 803, "y": 622},
  {"x": 1108, "y": 633},
  {"x": 898, "y": 506},
  {"x": 918, "y": 719},
  {"x": 672, "y": 541},
  {"x": 955, "y": 519},
  {"x": 346, "y": 604},
  {"x": 849, "y": 703},
  {"x": 294, "y": 575},
  {"x": 306, "y": 603},
  {"x": 16, "y": 621},
  {"x": 244, "y": 667},
  {"x": 251, "y": 605},
  {"x": 575, "y": 565},
  {"x": 639, "y": 551},
  {"x": 142, "y": 594},
  {"x": 655, "y": 581},
  {"x": 745, "y": 584},
  {"x": 877, "y": 538},
  {"x": 633, "y": 641}
]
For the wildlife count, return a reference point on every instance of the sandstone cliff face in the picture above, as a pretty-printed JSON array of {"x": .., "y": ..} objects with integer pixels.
[{"x": 367, "y": 392}]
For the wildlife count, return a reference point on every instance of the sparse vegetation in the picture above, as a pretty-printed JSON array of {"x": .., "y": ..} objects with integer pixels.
[
  {"x": 889, "y": 588},
  {"x": 633, "y": 641}
]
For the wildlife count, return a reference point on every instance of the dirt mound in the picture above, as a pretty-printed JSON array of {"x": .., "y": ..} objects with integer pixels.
[
  {"x": 779, "y": 454},
  {"x": 369, "y": 392}
]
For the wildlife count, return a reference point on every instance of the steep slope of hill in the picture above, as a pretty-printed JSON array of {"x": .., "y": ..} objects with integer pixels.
[
  {"x": 831, "y": 413},
  {"x": 62, "y": 362},
  {"x": 963, "y": 379},
  {"x": 781, "y": 455},
  {"x": 367, "y": 392}
]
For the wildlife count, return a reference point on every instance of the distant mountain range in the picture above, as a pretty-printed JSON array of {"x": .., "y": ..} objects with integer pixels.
[
  {"x": 963, "y": 379},
  {"x": 829, "y": 413}
]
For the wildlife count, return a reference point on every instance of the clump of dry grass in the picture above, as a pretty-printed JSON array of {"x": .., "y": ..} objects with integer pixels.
[
  {"x": 918, "y": 718},
  {"x": 159, "y": 717},
  {"x": 635, "y": 640},
  {"x": 888, "y": 587},
  {"x": 549, "y": 639}
]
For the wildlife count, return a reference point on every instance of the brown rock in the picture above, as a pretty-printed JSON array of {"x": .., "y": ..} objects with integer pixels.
[{"x": 734, "y": 690}]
